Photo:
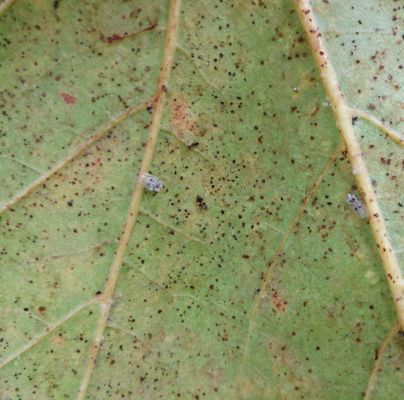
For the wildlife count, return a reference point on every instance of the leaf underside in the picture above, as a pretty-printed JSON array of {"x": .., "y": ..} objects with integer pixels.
[{"x": 272, "y": 288}]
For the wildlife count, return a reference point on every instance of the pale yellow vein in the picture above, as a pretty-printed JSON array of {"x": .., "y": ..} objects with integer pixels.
[
  {"x": 23, "y": 163},
  {"x": 51, "y": 328},
  {"x": 170, "y": 43},
  {"x": 171, "y": 132},
  {"x": 379, "y": 356},
  {"x": 391, "y": 133},
  {"x": 92, "y": 248},
  {"x": 5, "y": 4},
  {"x": 111, "y": 325},
  {"x": 343, "y": 118},
  {"x": 72, "y": 155},
  {"x": 171, "y": 227},
  {"x": 201, "y": 74},
  {"x": 279, "y": 250}
]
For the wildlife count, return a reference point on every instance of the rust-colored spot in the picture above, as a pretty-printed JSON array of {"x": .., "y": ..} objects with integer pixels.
[
  {"x": 181, "y": 118},
  {"x": 115, "y": 37},
  {"x": 246, "y": 388},
  {"x": 278, "y": 303},
  {"x": 68, "y": 98},
  {"x": 97, "y": 162},
  {"x": 58, "y": 340},
  {"x": 41, "y": 310},
  {"x": 211, "y": 372},
  {"x": 111, "y": 39}
]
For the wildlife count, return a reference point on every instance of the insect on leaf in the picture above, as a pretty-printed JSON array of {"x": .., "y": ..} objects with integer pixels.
[{"x": 249, "y": 276}]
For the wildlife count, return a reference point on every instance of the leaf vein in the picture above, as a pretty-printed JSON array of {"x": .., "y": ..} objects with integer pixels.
[
  {"x": 74, "y": 153},
  {"x": 379, "y": 124},
  {"x": 343, "y": 119},
  {"x": 279, "y": 250},
  {"x": 379, "y": 356},
  {"x": 166, "y": 225},
  {"x": 51, "y": 328},
  {"x": 170, "y": 45}
]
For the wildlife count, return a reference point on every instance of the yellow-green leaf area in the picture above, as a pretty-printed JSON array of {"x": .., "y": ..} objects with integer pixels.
[{"x": 270, "y": 287}]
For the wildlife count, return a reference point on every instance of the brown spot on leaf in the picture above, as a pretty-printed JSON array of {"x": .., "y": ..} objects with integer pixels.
[
  {"x": 68, "y": 98},
  {"x": 286, "y": 362},
  {"x": 111, "y": 39},
  {"x": 246, "y": 388},
  {"x": 58, "y": 340},
  {"x": 278, "y": 303},
  {"x": 181, "y": 118}
]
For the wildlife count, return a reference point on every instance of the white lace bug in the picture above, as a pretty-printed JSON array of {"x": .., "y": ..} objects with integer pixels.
[
  {"x": 357, "y": 205},
  {"x": 151, "y": 182}
]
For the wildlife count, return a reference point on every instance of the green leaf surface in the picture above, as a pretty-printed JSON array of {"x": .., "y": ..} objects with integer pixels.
[{"x": 271, "y": 287}]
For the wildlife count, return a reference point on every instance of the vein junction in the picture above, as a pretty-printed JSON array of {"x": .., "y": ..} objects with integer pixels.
[{"x": 106, "y": 300}]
